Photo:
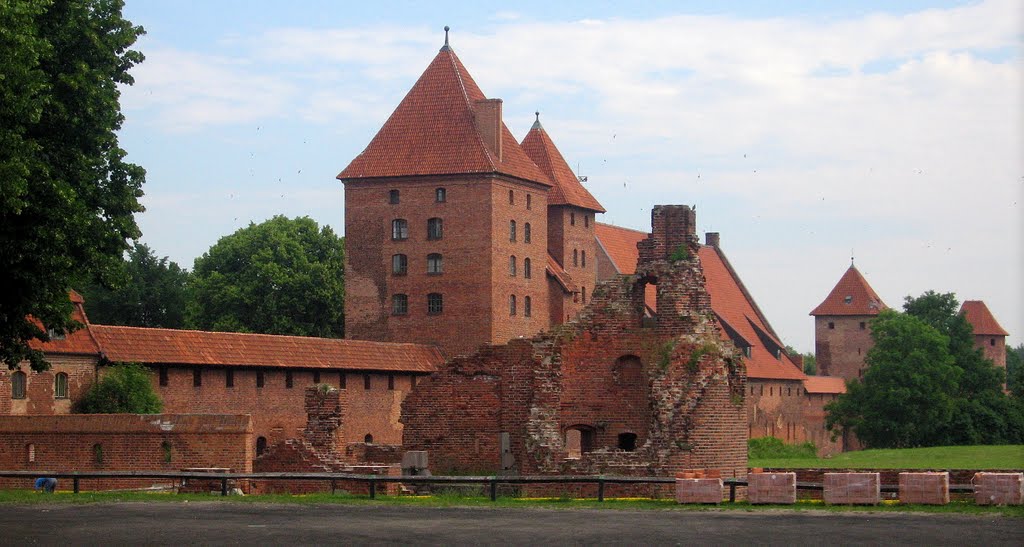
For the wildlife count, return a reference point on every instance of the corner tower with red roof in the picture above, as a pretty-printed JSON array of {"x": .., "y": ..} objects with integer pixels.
[
  {"x": 842, "y": 334},
  {"x": 989, "y": 336}
]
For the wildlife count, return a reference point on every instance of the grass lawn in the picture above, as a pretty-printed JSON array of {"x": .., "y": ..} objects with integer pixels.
[
  {"x": 935, "y": 457},
  {"x": 25, "y": 497}
]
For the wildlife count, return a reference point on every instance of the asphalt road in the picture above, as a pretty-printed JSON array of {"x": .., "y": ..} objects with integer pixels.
[{"x": 237, "y": 523}]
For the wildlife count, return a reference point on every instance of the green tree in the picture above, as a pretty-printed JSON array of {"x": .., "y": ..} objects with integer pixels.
[
  {"x": 282, "y": 276},
  {"x": 908, "y": 393},
  {"x": 151, "y": 292},
  {"x": 810, "y": 362},
  {"x": 1015, "y": 370},
  {"x": 123, "y": 389},
  {"x": 67, "y": 197}
]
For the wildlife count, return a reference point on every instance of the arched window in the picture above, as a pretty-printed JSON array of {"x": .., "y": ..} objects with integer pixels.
[
  {"x": 435, "y": 263},
  {"x": 399, "y": 229},
  {"x": 60, "y": 386},
  {"x": 399, "y": 304},
  {"x": 512, "y": 266},
  {"x": 529, "y": 201},
  {"x": 512, "y": 304},
  {"x": 511, "y": 197},
  {"x": 261, "y": 446},
  {"x": 575, "y": 257},
  {"x": 579, "y": 439},
  {"x": 368, "y": 439},
  {"x": 512, "y": 231},
  {"x": 583, "y": 258},
  {"x": 435, "y": 303},
  {"x": 526, "y": 233},
  {"x": 18, "y": 380},
  {"x": 526, "y": 268},
  {"x": 435, "y": 228},
  {"x": 526, "y": 306},
  {"x": 399, "y": 264},
  {"x": 440, "y": 195}
]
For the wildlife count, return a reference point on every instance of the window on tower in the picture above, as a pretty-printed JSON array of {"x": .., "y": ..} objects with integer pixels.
[
  {"x": 583, "y": 258},
  {"x": 399, "y": 304},
  {"x": 440, "y": 195},
  {"x": 512, "y": 304},
  {"x": 575, "y": 257},
  {"x": 399, "y": 264},
  {"x": 399, "y": 229},
  {"x": 529, "y": 201},
  {"x": 526, "y": 306},
  {"x": 435, "y": 228},
  {"x": 526, "y": 233},
  {"x": 512, "y": 231},
  {"x": 435, "y": 303},
  {"x": 572, "y": 219},
  {"x": 512, "y": 266},
  {"x": 526, "y": 268},
  {"x": 393, "y": 197},
  {"x": 435, "y": 263}
]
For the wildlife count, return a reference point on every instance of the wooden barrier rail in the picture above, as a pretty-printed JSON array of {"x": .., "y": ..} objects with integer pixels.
[{"x": 372, "y": 480}]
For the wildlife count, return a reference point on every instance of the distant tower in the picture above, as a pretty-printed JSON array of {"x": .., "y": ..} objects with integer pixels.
[
  {"x": 842, "y": 334},
  {"x": 988, "y": 335}
]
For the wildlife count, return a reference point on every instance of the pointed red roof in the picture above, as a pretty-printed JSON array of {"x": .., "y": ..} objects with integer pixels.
[
  {"x": 979, "y": 316},
  {"x": 433, "y": 132},
  {"x": 852, "y": 295},
  {"x": 567, "y": 189}
]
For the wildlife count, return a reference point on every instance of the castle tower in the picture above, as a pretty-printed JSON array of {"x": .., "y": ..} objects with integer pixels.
[
  {"x": 443, "y": 212},
  {"x": 842, "y": 336},
  {"x": 989, "y": 336},
  {"x": 571, "y": 241}
]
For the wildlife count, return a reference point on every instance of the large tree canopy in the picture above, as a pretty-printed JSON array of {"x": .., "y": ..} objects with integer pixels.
[
  {"x": 283, "y": 276},
  {"x": 67, "y": 197},
  {"x": 151, "y": 292}
]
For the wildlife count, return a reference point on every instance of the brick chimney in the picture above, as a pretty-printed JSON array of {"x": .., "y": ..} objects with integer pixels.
[
  {"x": 711, "y": 239},
  {"x": 672, "y": 227},
  {"x": 488, "y": 122}
]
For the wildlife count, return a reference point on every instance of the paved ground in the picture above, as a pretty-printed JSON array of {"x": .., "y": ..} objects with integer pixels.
[{"x": 236, "y": 523}]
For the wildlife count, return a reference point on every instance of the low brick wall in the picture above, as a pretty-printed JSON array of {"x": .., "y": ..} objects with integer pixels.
[
  {"x": 771, "y": 488},
  {"x": 699, "y": 490},
  {"x": 924, "y": 488},
  {"x": 852, "y": 488},
  {"x": 999, "y": 488}
]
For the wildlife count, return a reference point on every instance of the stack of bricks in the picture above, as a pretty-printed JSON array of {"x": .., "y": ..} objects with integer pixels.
[
  {"x": 699, "y": 486},
  {"x": 852, "y": 488},
  {"x": 771, "y": 488},
  {"x": 998, "y": 488},
  {"x": 924, "y": 488}
]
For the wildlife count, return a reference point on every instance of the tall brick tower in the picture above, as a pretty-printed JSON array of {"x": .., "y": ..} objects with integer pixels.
[
  {"x": 443, "y": 213},
  {"x": 989, "y": 336},
  {"x": 572, "y": 245},
  {"x": 842, "y": 334}
]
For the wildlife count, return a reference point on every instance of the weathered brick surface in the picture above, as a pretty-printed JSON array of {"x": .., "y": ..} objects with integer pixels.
[
  {"x": 852, "y": 488},
  {"x": 670, "y": 387},
  {"x": 771, "y": 487},
  {"x": 924, "y": 488},
  {"x": 998, "y": 488},
  {"x": 39, "y": 394},
  {"x": 841, "y": 350},
  {"x": 699, "y": 491},
  {"x": 126, "y": 442}
]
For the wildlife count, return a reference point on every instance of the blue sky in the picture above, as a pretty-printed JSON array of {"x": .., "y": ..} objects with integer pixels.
[{"x": 802, "y": 131}]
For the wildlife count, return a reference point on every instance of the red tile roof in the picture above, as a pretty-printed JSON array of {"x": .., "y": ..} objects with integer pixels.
[
  {"x": 433, "y": 132},
  {"x": 979, "y": 316},
  {"x": 80, "y": 342},
  {"x": 729, "y": 300},
  {"x": 852, "y": 295},
  {"x": 170, "y": 346},
  {"x": 558, "y": 272},
  {"x": 567, "y": 189},
  {"x": 824, "y": 384}
]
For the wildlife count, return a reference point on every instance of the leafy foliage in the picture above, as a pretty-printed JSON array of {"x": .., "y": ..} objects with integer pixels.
[
  {"x": 282, "y": 276},
  {"x": 1015, "y": 370},
  {"x": 810, "y": 361},
  {"x": 152, "y": 292},
  {"x": 123, "y": 389},
  {"x": 774, "y": 447},
  {"x": 67, "y": 197}
]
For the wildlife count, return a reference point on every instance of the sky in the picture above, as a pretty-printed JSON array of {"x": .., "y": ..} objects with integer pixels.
[{"x": 806, "y": 133}]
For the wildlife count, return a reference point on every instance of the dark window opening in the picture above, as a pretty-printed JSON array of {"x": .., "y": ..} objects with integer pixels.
[
  {"x": 435, "y": 303},
  {"x": 512, "y": 304},
  {"x": 512, "y": 266},
  {"x": 627, "y": 441},
  {"x": 526, "y": 233},
  {"x": 197, "y": 377},
  {"x": 391, "y": 382},
  {"x": 579, "y": 440},
  {"x": 863, "y": 325},
  {"x": 261, "y": 446},
  {"x": 316, "y": 376},
  {"x": 512, "y": 231},
  {"x": 261, "y": 380},
  {"x": 435, "y": 263},
  {"x": 435, "y": 228},
  {"x": 368, "y": 439},
  {"x": 393, "y": 197},
  {"x": 97, "y": 453},
  {"x": 527, "y": 306},
  {"x": 572, "y": 219},
  {"x": 399, "y": 264},
  {"x": 440, "y": 195},
  {"x": 399, "y": 304},
  {"x": 529, "y": 201},
  {"x": 586, "y": 220},
  {"x": 992, "y": 341},
  {"x": 289, "y": 379},
  {"x": 583, "y": 294},
  {"x": 60, "y": 386},
  {"x": 526, "y": 268},
  {"x": 412, "y": 380},
  {"x": 575, "y": 257},
  {"x": 511, "y": 197},
  {"x": 366, "y": 381},
  {"x": 229, "y": 378},
  {"x": 166, "y": 448},
  {"x": 831, "y": 325},
  {"x": 163, "y": 376},
  {"x": 583, "y": 259},
  {"x": 399, "y": 229},
  {"x": 342, "y": 380}
]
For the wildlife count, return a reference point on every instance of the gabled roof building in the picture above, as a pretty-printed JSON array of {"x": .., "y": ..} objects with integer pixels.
[{"x": 842, "y": 336}]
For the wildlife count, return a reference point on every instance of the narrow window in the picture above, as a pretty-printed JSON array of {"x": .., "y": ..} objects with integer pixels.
[
  {"x": 526, "y": 306},
  {"x": 512, "y": 231},
  {"x": 529, "y": 201},
  {"x": 393, "y": 197},
  {"x": 512, "y": 266},
  {"x": 289, "y": 379},
  {"x": 435, "y": 263},
  {"x": 60, "y": 386},
  {"x": 368, "y": 439},
  {"x": 583, "y": 294},
  {"x": 316, "y": 376},
  {"x": 97, "y": 453},
  {"x": 163, "y": 376},
  {"x": 342, "y": 380},
  {"x": 863, "y": 325},
  {"x": 512, "y": 304},
  {"x": 435, "y": 303},
  {"x": 399, "y": 304},
  {"x": 440, "y": 195},
  {"x": 575, "y": 257},
  {"x": 260, "y": 379},
  {"x": 30, "y": 452},
  {"x": 992, "y": 341},
  {"x": 526, "y": 268},
  {"x": 366, "y": 381},
  {"x": 18, "y": 385},
  {"x": 831, "y": 325},
  {"x": 197, "y": 377},
  {"x": 586, "y": 220},
  {"x": 165, "y": 447},
  {"x": 412, "y": 380},
  {"x": 399, "y": 229},
  {"x": 572, "y": 219},
  {"x": 526, "y": 233},
  {"x": 435, "y": 228},
  {"x": 229, "y": 377},
  {"x": 583, "y": 258},
  {"x": 399, "y": 264},
  {"x": 261, "y": 446},
  {"x": 391, "y": 382},
  {"x": 511, "y": 197}
]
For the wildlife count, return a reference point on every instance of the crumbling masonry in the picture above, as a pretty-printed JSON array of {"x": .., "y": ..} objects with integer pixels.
[{"x": 618, "y": 390}]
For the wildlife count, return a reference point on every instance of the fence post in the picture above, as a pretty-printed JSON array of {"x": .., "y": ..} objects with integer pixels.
[
  {"x": 224, "y": 486},
  {"x": 600, "y": 488},
  {"x": 494, "y": 488},
  {"x": 373, "y": 488},
  {"x": 74, "y": 481}
]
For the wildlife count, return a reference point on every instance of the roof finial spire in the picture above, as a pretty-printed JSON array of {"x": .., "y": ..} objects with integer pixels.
[
  {"x": 851, "y": 258},
  {"x": 445, "y": 47},
  {"x": 536, "y": 123}
]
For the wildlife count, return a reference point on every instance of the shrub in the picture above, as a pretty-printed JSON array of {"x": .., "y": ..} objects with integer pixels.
[
  {"x": 124, "y": 389},
  {"x": 772, "y": 447}
]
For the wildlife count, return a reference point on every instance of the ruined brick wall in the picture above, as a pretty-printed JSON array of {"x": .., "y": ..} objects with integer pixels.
[
  {"x": 39, "y": 394},
  {"x": 671, "y": 382},
  {"x": 122, "y": 442},
  {"x": 841, "y": 349}
]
